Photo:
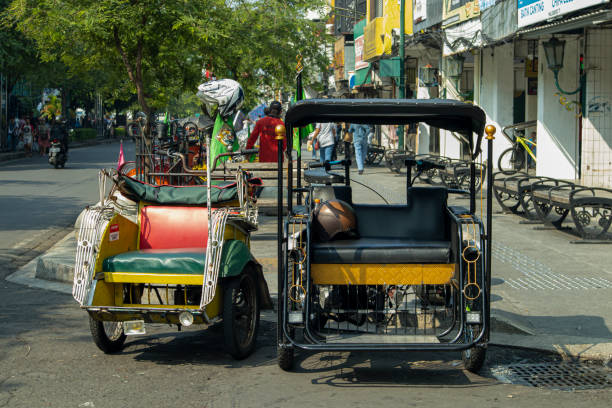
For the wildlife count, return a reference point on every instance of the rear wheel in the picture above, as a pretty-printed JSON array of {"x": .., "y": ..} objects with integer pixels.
[
  {"x": 240, "y": 315},
  {"x": 474, "y": 357},
  {"x": 511, "y": 160},
  {"x": 108, "y": 336}
]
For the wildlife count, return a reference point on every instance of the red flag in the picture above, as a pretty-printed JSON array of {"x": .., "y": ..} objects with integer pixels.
[{"x": 121, "y": 160}]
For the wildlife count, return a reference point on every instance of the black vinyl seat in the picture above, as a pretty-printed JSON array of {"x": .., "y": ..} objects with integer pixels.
[
  {"x": 418, "y": 232},
  {"x": 381, "y": 251},
  {"x": 321, "y": 176}
]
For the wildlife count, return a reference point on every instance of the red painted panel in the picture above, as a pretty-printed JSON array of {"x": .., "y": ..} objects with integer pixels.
[{"x": 165, "y": 227}]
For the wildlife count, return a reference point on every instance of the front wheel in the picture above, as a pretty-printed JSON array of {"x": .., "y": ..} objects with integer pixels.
[
  {"x": 511, "y": 160},
  {"x": 108, "y": 336},
  {"x": 240, "y": 315}
]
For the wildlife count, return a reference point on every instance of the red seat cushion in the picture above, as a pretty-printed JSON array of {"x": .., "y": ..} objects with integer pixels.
[{"x": 169, "y": 227}]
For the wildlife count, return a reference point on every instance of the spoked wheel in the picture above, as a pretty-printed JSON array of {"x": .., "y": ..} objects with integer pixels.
[
  {"x": 474, "y": 357},
  {"x": 511, "y": 160},
  {"x": 240, "y": 315},
  {"x": 108, "y": 336}
]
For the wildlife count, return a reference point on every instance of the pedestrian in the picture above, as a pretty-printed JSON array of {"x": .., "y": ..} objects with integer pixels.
[
  {"x": 360, "y": 142},
  {"x": 43, "y": 136},
  {"x": 12, "y": 136},
  {"x": 265, "y": 131},
  {"x": 325, "y": 136},
  {"x": 310, "y": 145},
  {"x": 28, "y": 138}
]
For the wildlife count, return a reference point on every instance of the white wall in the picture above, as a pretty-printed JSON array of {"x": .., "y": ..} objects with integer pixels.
[
  {"x": 494, "y": 75},
  {"x": 426, "y": 58},
  {"x": 597, "y": 126},
  {"x": 557, "y": 135}
]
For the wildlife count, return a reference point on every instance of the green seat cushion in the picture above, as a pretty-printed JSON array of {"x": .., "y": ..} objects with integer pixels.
[
  {"x": 189, "y": 261},
  {"x": 221, "y": 192}
]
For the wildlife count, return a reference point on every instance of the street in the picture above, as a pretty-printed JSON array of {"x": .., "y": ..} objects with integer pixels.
[{"x": 47, "y": 358}]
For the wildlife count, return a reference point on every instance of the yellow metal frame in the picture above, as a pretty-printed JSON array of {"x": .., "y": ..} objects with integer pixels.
[{"x": 382, "y": 274}]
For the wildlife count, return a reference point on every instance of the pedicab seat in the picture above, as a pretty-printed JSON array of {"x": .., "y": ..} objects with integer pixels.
[
  {"x": 418, "y": 233},
  {"x": 172, "y": 241},
  {"x": 321, "y": 176}
]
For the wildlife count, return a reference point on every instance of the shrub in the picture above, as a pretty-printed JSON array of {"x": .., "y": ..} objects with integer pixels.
[
  {"x": 120, "y": 133},
  {"x": 84, "y": 134}
]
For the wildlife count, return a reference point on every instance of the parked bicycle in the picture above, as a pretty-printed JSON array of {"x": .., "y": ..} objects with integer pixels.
[{"x": 523, "y": 150}]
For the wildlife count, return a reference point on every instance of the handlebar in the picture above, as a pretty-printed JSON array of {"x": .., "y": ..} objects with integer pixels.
[
  {"x": 328, "y": 164},
  {"x": 188, "y": 170}
]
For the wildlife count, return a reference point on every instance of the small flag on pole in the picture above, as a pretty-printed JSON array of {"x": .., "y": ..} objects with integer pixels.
[{"x": 121, "y": 160}]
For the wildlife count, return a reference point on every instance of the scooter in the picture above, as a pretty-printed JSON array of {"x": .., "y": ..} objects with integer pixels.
[{"x": 57, "y": 154}]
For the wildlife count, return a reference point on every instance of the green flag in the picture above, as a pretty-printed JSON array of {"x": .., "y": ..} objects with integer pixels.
[
  {"x": 301, "y": 133},
  {"x": 223, "y": 139}
]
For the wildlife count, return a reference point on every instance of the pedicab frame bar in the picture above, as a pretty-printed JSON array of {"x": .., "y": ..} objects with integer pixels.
[{"x": 454, "y": 116}]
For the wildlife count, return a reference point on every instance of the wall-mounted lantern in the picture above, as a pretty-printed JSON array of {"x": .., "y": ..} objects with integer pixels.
[
  {"x": 428, "y": 76},
  {"x": 555, "y": 50}
]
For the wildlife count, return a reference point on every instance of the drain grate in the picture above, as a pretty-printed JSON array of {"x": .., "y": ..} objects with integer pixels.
[{"x": 556, "y": 376}]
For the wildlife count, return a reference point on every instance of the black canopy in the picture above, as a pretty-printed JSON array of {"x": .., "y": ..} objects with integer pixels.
[{"x": 447, "y": 114}]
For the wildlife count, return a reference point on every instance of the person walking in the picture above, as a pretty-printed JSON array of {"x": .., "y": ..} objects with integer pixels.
[
  {"x": 325, "y": 134},
  {"x": 43, "y": 136},
  {"x": 360, "y": 142},
  {"x": 265, "y": 131}
]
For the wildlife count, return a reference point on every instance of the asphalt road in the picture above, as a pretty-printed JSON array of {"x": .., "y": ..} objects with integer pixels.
[{"x": 47, "y": 358}]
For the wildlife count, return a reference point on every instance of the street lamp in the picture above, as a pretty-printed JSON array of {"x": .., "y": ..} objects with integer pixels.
[
  {"x": 555, "y": 50},
  {"x": 428, "y": 76},
  {"x": 454, "y": 70}
]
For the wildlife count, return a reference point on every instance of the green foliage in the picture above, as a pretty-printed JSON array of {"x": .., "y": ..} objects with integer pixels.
[
  {"x": 156, "y": 49},
  {"x": 53, "y": 108},
  {"x": 83, "y": 134},
  {"x": 120, "y": 133}
]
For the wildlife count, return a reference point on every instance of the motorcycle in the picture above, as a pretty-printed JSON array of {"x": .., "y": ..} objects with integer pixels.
[{"x": 57, "y": 154}]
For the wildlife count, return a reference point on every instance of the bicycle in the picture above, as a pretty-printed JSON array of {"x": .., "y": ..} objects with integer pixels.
[{"x": 513, "y": 159}]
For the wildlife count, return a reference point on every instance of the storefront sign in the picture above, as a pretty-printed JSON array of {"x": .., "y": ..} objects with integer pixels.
[
  {"x": 359, "y": 62},
  {"x": 339, "y": 59},
  {"x": 420, "y": 10},
  {"x": 458, "y": 11},
  {"x": 485, "y": 4},
  {"x": 535, "y": 11}
]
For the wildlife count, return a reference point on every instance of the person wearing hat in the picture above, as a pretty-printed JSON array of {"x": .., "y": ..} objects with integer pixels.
[{"x": 265, "y": 131}]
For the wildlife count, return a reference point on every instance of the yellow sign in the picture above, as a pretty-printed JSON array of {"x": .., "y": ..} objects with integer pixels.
[
  {"x": 381, "y": 27},
  {"x": 458, "y": 11},
  {"x": 339, "y": 59}
]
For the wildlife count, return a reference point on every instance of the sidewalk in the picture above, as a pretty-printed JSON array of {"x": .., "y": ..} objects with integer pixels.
[
  {"x": 6, "y": 156},
  {"x": 547, "y": 294}
]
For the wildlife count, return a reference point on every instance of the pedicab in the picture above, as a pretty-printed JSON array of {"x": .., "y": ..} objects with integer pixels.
[
  {"x": 367, "y": 277},
  {"x": 178, "y": 254}
]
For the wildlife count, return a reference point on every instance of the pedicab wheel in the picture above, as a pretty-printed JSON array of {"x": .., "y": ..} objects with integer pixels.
[
  {"x": 108, "y": 336},
  {"x": 240, "y": 315},
  {"x": 474, "y": 357},
  {"x": 285, "y": 354},
  {"x": 511, "y": 160}
]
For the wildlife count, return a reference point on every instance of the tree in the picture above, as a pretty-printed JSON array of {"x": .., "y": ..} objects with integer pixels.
[{"x": 160, "y": 46}]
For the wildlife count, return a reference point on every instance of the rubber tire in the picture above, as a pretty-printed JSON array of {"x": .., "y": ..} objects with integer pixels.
[
  {"x": 519, "y": 161},
  {"x": 474, "y": 357},
  {"x": 56, "y": 165},
  {"x": 285, "y": 357},
  {"x": 473, "y": 363},
  {"x": 231, "y": 286},
  {"x": 102, "y": 340}
]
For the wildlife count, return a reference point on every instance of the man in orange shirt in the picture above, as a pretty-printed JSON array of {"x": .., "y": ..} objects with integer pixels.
[{"x": 265, "y": 131}]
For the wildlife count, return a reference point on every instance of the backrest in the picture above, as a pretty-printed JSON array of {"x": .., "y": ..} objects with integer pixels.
[
  {"x": 424, "y": 218},
  {"x": 168, "y": 227}
]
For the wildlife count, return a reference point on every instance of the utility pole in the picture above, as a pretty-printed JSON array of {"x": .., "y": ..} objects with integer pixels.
[{"x": 402, "y": 83}]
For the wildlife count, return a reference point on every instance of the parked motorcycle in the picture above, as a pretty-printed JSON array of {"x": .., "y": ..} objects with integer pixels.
[{"x": 57, "y": 154}]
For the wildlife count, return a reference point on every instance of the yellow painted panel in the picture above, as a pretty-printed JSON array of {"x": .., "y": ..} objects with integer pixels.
[
  {"x": 214, "y": 308},
  {"x": 382, "y": 274},
  {"x": 155, "y": 278},
  {"x": 104, "y": 294},
  {"x": 117, "y": 241}
]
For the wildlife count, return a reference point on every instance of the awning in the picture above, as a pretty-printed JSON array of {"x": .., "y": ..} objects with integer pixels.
[
  {"x": 362, "y": 76},
  {"x": 566, "y": 24}
]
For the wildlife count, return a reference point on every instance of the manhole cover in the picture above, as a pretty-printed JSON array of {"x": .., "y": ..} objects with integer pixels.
[{"x": 557, "y": 376}]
